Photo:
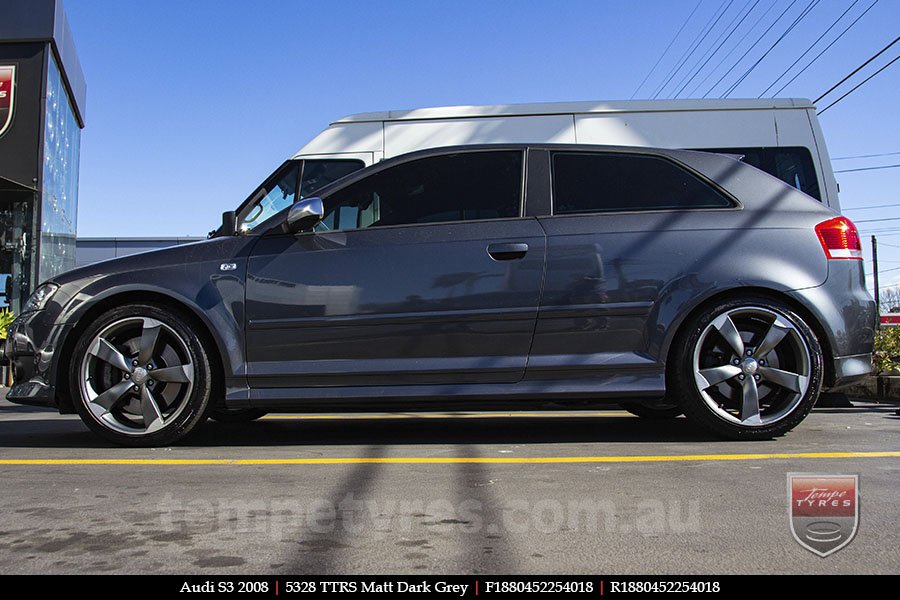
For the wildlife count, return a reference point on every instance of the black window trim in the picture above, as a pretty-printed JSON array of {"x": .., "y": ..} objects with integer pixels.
[{"x": 735, "y": 203}]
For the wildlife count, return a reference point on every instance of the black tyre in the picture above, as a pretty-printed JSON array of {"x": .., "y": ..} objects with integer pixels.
[
  {"x": 236, "y": 415},
  {"x": 748, "y": 369},
  {"x": 140, "y": 377},
  {"x": 659, "y": 413}
]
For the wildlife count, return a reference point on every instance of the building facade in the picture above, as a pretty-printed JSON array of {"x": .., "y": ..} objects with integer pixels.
[
  {"x": 94, "y": 249},
  {"x": 42, "y": 103}
]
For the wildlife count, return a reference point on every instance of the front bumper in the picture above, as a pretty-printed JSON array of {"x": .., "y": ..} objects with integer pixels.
[{"x": 30, "y": 356}]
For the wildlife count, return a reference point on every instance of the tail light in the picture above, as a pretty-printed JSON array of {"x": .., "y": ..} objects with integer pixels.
[{"x": 839, "y": 238}]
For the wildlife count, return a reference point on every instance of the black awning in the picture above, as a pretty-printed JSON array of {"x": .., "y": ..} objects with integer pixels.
[{"x": 8, "y": 185}]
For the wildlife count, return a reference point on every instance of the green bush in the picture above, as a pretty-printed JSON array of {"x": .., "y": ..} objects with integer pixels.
[
  {"x": 6, "y": 318},
  {"x": 887, "y": 349}
]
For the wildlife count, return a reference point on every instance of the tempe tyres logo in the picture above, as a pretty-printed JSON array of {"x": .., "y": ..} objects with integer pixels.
[
  {"x": 824, "y": 510},
  {"x": 7, "y": 95}
]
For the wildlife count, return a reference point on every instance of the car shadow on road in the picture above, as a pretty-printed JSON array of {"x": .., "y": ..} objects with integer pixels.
[
  {"x": 397, "y": 431},
  {"x": 394, "y": 429}
]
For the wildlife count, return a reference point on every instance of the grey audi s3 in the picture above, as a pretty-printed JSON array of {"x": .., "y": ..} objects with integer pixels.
[{"x": 670, "y": 282}]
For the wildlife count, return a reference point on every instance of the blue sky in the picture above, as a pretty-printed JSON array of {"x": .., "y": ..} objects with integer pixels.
[{"x": 191, "y": 104}]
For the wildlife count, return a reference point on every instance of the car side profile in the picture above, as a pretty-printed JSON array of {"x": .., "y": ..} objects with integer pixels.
[{"x": 667, "y": 281}]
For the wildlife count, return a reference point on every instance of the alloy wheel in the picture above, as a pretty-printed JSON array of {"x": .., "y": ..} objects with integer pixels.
[
  {"x": 751, "y": 366},
  {"x": 136, "y": 376}
]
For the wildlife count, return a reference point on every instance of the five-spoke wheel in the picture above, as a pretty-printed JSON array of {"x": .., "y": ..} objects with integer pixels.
[
  {"x": 749, "y": 369},
  {"x": 141, "y": 375}
]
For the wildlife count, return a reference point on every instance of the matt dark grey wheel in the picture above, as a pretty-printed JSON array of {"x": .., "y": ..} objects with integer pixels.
[
  {"x": 750, "y": 369},
  {"x": 141, "y": 376}
]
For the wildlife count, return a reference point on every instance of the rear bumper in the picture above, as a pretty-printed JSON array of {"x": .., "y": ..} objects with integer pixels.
[
  {"x": 848, "y": 369},
  {"x": 844, "y": 317}
]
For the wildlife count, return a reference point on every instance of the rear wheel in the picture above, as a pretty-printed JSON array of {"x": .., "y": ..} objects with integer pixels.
[
  {"x": 236, "y": 415},
  {"x": 748, "y": 369},
  {"x": 140, "y": 377}
]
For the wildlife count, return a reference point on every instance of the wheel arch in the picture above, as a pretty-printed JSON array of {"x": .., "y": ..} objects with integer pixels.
[
  {"x": 88, "y": 313},
  {"x": 808, "y": 316}
]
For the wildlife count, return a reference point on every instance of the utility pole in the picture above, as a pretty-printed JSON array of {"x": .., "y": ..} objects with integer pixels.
[{"x": 875, "y": 272}]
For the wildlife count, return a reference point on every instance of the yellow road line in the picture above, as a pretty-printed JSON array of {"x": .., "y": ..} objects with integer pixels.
[
  {"x": 509, "y": 415},
  {"x": 351, "y": 460}
]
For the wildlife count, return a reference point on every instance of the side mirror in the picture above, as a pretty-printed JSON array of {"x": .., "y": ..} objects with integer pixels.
[
  {"x": 305, "y": 215},
  {"x": 228, "y": 226}
]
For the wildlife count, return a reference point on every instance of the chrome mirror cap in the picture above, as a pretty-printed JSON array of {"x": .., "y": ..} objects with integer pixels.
[{"x": 305, "y": 214}]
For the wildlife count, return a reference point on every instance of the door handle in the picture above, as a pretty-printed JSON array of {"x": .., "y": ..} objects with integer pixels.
[{"x": 507, "y": 251}]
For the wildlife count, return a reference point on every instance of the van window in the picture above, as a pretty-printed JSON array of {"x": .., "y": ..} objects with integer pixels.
[
  {"x": 791, "y": 164},
  {"x": 319, "y": 173},
  {"x": 595, "y": 182},
  {"x": 455, "y": 187}
]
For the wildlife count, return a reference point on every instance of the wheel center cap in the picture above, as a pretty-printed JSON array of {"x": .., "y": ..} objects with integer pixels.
[
  {"x": 749, "y": 366},
  {"x": 139, "y": 375}
]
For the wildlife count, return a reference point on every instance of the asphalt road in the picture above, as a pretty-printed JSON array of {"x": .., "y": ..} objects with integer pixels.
[{"x": 579, "y": 492}]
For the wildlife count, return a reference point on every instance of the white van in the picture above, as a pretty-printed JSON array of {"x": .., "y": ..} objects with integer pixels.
[{"x": 779, "y": 136}]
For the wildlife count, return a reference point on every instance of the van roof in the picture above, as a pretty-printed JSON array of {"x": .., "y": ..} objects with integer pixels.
[{"x": 553, "y": 108}]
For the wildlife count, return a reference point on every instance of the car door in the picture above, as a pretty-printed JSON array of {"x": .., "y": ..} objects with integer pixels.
[
  {"x": 422, "y": 272},
  {"x": 626, "y": 237}
]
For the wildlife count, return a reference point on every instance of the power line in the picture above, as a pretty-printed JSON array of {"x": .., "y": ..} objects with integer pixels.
[
  {"x": 891, "y": 245},
  {"x": 888, "y": 232},
  {"x": 878, "y": 220},
  {"x": 809, "y": 8},
  {"x": 805, "y": 52},
  {"x": 870, "y": 231},
  {"x": 735, "y": 47},
  {"x": 866, "y": 156},
  {"x": 863, "y": 82},
  {"x": 856, "y": 70},
  {"x": 752, "y": 46},
  {"x": 872, "y": 207},
  {"x": 866, "y": 168},
  {"x": 825, "y": 49},
  {"x": 713, "y": 21},
  {"x": 730, "y": 29},
  {"x": 681, "y": 59},
  {"x": 666, "y": 51}
]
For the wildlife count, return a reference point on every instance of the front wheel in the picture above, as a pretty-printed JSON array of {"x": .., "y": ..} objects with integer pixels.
[
  {"x": 140, "y": 376},
  {"x": 747, "y": 369}
]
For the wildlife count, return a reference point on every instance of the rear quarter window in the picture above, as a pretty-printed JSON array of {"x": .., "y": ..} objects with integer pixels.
[{"x": 605, "y": 182}]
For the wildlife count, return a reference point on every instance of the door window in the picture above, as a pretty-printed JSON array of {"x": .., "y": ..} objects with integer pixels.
[
  {"x": 280, "y": 191},
  {"x": 276, "y": 194},
  {"x": 456, "y": 187},
  {"x": 604, "y": 182}
]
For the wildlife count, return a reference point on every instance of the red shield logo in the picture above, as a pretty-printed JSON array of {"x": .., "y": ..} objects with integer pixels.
[
  {"x": 824, "y": 510},
  {"x": 7, "y": 96}
]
